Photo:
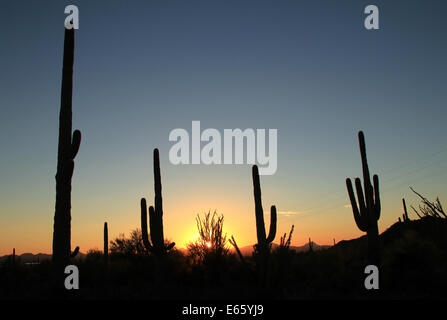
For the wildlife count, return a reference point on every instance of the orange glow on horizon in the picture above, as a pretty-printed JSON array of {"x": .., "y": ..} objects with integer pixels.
[{"x": 35, "y": 236}]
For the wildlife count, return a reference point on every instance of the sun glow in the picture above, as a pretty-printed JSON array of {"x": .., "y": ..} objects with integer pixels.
[{"x": 208, "y": 244}]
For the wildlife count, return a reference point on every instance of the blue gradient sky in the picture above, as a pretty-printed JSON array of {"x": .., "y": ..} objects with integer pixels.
[{"x": 142, "y": 68}]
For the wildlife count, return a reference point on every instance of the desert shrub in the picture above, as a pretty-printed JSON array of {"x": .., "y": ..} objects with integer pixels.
[{"x": 131, "y": 246}]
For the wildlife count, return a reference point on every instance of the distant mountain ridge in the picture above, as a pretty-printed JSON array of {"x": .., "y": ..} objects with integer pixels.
[
  {"x": 248, "y": 250},
  {"x": 30, "y": 258}
]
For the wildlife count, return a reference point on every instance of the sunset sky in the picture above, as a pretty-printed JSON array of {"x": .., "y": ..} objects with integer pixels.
[{"x": 143, "y": 68}]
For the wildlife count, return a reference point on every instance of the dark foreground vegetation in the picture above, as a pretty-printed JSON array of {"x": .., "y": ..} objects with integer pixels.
[{"x": 413, "y": 255}]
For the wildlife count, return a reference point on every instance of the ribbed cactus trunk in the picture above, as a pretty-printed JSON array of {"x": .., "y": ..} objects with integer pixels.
[
  {"x": 367, "y": 213},
  {"x": 264, "y": 242},
  {"x": 68, "y": 146},
  {"x": 155, "y": 216},
  {"x": 106, "y": 241}
]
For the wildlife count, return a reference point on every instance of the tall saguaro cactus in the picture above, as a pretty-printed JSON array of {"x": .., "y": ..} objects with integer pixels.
[
  {"x": 106, "y": 241},
  {"x": 264, "y": 241},
  {"x": 367, "y": 213},
  {"x": 155, "y": 216},
  {"x": 68, "y": 146},
  {"x": 262, "y": 248}
]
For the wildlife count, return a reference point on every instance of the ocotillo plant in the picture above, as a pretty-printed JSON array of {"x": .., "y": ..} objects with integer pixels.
[
  {"x": 239, "y": 253},
  {"x": 264, "y": 242},
  {"x": 285, "y": 242},
  {"x": 68, "y": 146},
  {"x": 367, "y": 213},
  {"x": 405, "y": 214},
  {"x": 106, "y": 241},
  {"x": 428, "y": 208},
  {"x": 157, "y": 246}
]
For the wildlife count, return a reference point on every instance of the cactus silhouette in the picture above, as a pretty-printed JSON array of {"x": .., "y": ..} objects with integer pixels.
[
  {"x": 264, "y": 242},
  {"x": 75, "y": 252},
  {"x": 106, "y": 241},
  {"x": 262, "y": 248},
  {"x": 68, "y": 146},
  {"x": 367, "y": 213},
  {"x": 405, "y": 214},
  {"x": 311, "y": 249},
  {"x": 157, "y": 246}
]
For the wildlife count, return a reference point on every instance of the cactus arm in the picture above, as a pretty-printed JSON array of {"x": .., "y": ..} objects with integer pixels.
[
  {"x": 155, "y": 228},
  {"x": 355, "y": 210},
  {"x": 377, "y": 205},
  {"x": 76, "y": 142},
  {"x": 273, "y": 220},
  {"x": 144, "y": 234},
  {"x": 75, "y": 252},
  {"x": 352, "y": 199},
  {"x": 361, "y": 199}
]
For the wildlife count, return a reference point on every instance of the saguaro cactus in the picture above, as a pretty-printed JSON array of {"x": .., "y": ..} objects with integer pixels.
[
  {"x": 68, "y": 147},
  {"x": 367, "y": 213},
  {"x": 405, "y": 214},
  {"x": 262, "y": 248},
  {"x": 264, "y": 242},
  {"x": 157, "y": 246},
  {"x": 106, "y": 241}
]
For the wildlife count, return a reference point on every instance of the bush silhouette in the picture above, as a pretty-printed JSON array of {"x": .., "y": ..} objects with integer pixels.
[
  {"x": 131, "y": 246},
  {"x": 212, "y": 243}
]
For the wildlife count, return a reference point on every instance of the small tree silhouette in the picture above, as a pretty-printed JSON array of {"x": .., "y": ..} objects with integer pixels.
[
  {"x": 128, "y": 246},
  {"x": 211, "y": 243}
]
